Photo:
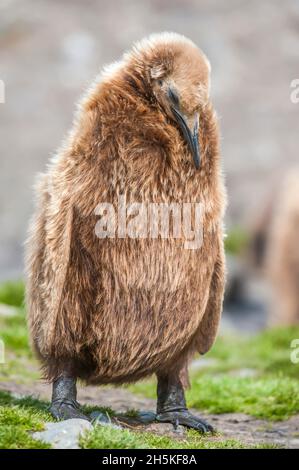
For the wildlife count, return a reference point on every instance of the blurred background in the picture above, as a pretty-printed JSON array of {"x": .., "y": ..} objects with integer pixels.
[{"x": 51, "y": 50}]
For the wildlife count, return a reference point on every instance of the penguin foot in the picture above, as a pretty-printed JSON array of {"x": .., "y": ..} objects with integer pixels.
[
  {"x": 185, "y": 418},
  {"x": 66, "y": 409}
]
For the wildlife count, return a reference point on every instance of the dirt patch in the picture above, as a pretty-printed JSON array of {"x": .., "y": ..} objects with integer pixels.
[{"x": 247, "y": 429}]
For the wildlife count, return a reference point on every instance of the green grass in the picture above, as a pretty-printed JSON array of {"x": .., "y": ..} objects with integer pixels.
[
  {"x": 106, "y": 410},
  {"x": 20, "y": 365},
  {"x": 12, "y": 293},
  {"x": 272, "y": 393},
  {"x": 14, "y": 333},
  {"x": 19, "y": 417},
  {"x": 19, "y": 369},
  {"x": 217, "y": 387},
  {"x": 110, "y": 438},
  {"x": 267, "y": 353},
  {"x": 272, "y": 398},
  {"x": 236, "y": 240},
  {"x": 13, "y": 329}
]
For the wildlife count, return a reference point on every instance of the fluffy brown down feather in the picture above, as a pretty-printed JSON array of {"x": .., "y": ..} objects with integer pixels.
[
  {"x": 116, "y": 310},
  {"x": 282, "y": 253}
]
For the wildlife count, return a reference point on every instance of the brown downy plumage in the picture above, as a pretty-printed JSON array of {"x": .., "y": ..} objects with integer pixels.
[
  {"x": 114, "y": 310},
  {"x": 282, "y": 255}
]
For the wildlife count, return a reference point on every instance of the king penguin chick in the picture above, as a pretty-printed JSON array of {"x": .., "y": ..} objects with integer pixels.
[
  {"x": 114, "y": 309},
  {"x": 282, "y": 253}
]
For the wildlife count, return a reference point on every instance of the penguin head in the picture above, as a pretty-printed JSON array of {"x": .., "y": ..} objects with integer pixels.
[{"x": 177, "y": 75}]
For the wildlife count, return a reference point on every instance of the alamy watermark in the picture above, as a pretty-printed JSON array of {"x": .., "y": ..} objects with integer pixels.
[
  {"x": 2, "y": 352},
  {"x": 151, "y": 220},
  {"x": 294, "y": 356},
  {"x": 294, "y": 96}
]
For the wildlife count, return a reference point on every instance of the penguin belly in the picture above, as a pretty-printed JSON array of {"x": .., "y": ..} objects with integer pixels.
[{"x": 150, "y": 309}]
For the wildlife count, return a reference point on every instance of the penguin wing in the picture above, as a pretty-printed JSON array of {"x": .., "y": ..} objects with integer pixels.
[
  {"x": 60, "y": 276},
  {"x": 34, "y": 254},
  {"x": 208, "y": 328}
]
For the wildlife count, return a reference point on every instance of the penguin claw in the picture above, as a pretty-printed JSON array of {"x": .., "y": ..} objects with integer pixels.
[
  {"x": 185, "y": 418},
  {"x": 65, "y": 409}
]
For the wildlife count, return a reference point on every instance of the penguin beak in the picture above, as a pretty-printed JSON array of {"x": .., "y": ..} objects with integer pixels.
[{"x": 191, "y": 136}]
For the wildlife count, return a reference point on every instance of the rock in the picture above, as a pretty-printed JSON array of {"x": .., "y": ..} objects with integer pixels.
[
  {"x": 247, "y": 429},
  {"x": 65, "y": 434}
]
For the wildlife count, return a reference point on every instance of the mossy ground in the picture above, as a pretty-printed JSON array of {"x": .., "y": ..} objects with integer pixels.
[
  {"x": 103, "y": 438},
  {"x": 272, "y": 389},
  {"x": 18, "y": 418},
  {"x": 219, "y": 386}
]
